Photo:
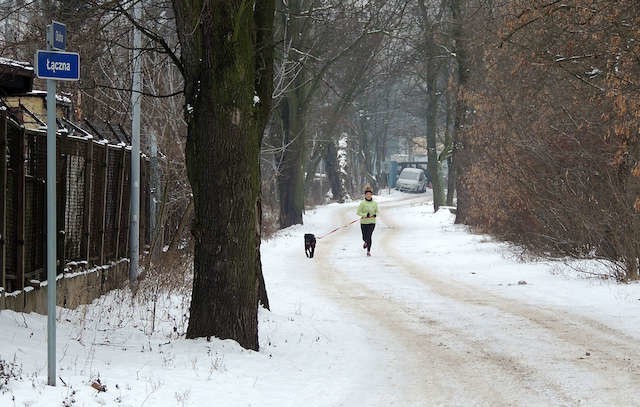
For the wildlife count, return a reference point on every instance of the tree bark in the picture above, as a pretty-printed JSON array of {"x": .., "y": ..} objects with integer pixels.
[
  {"x": 290, "y": 180},
  {"x": 432, "y": 106},
  {"x": 455, "y": 105},
  {"x": 221, "y": 67},
  {"x": 333, "y": 172},
  {"x": 457, "y": 12},
  {"x": 293, "y": 108},
  {"x": 264, "y": 26}
]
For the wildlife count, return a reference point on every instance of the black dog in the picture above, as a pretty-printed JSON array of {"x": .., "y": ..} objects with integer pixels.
[{"x": 309, "y": 244}]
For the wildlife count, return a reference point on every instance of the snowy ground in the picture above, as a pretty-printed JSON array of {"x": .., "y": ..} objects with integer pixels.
[{"x": 437, "y": 316}]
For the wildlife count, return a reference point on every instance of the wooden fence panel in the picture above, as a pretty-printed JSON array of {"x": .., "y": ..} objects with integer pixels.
[
  {"x": 88, "y": 194},
  {"x": 61, "y": 201},
  {"x": 74, "y": 151},
  {"x": 35, "y": 205},
  {"x": 93, "y": 193},
  {"x": 125, "y": 203},
  {"x": 98, "y": 202},
  {"x": 111, "y": 203},
  {"x": 10, "y": 218},
  {"x": 20, "y": 209}
]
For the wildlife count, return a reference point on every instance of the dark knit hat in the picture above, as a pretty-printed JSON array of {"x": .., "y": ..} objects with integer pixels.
[{"x": 368, "y": 189}]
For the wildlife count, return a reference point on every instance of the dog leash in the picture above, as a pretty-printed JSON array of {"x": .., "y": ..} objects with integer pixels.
[{"x": 338, "y": 228}]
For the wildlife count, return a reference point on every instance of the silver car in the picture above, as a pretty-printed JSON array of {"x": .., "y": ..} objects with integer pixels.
[{"x": 412, "y": 180}]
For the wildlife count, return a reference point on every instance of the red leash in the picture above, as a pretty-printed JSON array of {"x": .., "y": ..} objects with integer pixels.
[{"x": 338, "y": 228}]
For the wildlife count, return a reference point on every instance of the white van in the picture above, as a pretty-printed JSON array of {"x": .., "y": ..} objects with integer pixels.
[{"x": 412, "y": 180}]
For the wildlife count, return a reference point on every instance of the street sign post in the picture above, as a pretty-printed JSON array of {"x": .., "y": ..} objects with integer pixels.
[{"x": 53, "y": 66}]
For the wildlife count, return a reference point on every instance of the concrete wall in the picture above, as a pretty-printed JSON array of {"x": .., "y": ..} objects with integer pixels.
[{"x": 72, "y": 290}]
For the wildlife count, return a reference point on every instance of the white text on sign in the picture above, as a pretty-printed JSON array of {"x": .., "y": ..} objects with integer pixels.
[{"x": 54, "y": 66}]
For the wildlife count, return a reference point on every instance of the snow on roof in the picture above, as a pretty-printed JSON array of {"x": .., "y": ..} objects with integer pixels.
[
  {"x": 43, "y": 93},
  {"x": 17, "y": 64}
]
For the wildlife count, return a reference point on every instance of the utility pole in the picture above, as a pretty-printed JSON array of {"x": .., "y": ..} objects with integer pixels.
[{"x": 136, "y": 96}]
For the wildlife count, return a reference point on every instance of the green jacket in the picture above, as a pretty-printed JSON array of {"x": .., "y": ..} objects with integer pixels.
[{"x": 370, "y": 207}]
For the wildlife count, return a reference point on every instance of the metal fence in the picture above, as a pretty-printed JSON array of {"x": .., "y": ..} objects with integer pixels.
[{"x": 92, "y": 202}]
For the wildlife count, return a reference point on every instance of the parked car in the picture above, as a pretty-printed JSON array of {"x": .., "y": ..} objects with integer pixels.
[{"x": 412, "y": 180}]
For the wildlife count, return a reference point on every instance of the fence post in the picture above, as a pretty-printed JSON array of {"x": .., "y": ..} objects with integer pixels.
[
  {"x": 143, "y": 216},
  {"x": 88, "y": 192},
  {"x": 3, "y": 198},
  {"x": 121, "y": 172},
  {"x": 20, "y": 210},
  {"x": 105, "y": 178},
  {"x": 127, "y": 169},
  {"x": 62, "y": 168}
]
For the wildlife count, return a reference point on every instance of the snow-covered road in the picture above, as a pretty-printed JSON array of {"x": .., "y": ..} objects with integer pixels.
[
  {"x": 442, "y": 341},
  {"x": 437, "y": 316}
]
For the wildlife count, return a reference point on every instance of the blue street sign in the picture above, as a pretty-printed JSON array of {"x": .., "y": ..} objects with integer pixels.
[
  {"x": 58, "y": 36},
  {"x": 63, "y": 66}
]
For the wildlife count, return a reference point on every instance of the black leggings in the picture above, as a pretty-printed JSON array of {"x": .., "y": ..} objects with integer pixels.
[{"x": 367, "y": 231}]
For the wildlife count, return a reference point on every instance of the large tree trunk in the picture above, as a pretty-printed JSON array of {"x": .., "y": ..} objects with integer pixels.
[
  {"x": 432, "y": 154},
  {"x": 291, "y": 177},
  {"x": 433, "y": 68},
  {"x": 457, "y": 9},
  {"x": 292, "y": 112},
  {"x": 264, "y": 13},
  {"x": 333, "y": 172},
  {"x": 218, "y": 55},
  {"x": 450, "y": 129}
]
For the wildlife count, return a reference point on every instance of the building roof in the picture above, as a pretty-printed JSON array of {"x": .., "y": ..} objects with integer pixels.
[{"x": 16, "y": 77}]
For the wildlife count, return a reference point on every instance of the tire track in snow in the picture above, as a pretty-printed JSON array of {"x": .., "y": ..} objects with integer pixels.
[
  {"x": 614, "y": 355},
  {"x": 430, "y": 372}
]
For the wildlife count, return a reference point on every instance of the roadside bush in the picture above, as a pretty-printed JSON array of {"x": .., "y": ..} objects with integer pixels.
[
  {"x": 551, "y": 148},
  {"x": 8, "y": 371}
]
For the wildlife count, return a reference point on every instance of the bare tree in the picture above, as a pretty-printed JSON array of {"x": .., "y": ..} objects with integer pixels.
[
  {"x": 551, "y": 159},
  {"x": 320, "y": 48}
]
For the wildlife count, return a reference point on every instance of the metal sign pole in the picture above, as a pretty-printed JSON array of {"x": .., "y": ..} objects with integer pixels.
[
  {"x": 51, "y": 230},
  {"x": 52, "y": 248},
  {"x": 53, "y": 66}
]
